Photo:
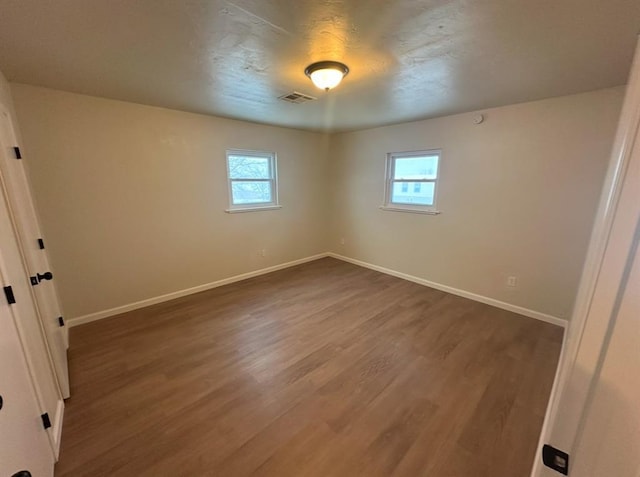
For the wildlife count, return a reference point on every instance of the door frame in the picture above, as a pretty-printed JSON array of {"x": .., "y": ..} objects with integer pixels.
[
  {"x": 27, "y": 226},
  {"x": 55, "y": 431},
  {"x": 29, "y": 442}
]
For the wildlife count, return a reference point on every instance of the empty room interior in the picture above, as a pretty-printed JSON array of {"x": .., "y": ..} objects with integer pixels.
[{"x": 320, "y": 238}]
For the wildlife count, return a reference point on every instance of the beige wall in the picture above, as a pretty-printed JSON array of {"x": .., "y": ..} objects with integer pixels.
[
  {"x": 132, "y": 197},
  {"x": 517, "y": 193}
]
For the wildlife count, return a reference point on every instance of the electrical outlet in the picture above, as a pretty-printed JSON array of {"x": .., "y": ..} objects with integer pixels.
[
  {"x": 342, "y": 241},
  {"x": 263, "y": 252},
  {"x": 512, "y": 282}
]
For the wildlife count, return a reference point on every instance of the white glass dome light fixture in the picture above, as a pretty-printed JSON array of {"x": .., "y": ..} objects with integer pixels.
[{"x": 326, "y": 75}]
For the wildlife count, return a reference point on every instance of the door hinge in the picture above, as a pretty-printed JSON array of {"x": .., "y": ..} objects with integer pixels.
[
  {"x": 555, "y": 459},
  {"x": 61, "y": 321},
  {"x": 46, "y": 422},
  {"x": 41, "y": 244},
  {"x": 8, "y": 292},
  {"x": 17, "y": 152}
]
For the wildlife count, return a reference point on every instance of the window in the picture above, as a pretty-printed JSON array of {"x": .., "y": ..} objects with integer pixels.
[
  {"x": 411, "y": 181},
  {"x": 252, "y": 180}
]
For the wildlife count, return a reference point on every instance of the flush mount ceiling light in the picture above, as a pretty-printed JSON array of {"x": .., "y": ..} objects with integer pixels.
[{"x": 326, "y": 74}]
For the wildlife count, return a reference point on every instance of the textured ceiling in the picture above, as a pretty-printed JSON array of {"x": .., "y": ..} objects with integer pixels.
[{"x": 409, "y": 59}]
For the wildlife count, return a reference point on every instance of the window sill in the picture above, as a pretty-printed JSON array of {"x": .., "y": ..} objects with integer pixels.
[
  {"x": 410, "y": 211},
  {"x": 252, "y": 209}
]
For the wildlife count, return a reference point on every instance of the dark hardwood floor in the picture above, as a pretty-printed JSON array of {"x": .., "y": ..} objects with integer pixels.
[{"x": 324, "y": 369}]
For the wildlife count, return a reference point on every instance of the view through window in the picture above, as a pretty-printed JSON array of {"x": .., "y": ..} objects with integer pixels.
[
  {"x": 252, "y": 179},
  {"x": 411, "y": 180}
]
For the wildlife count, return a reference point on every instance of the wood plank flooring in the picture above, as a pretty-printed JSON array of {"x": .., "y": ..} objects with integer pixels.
[{"x": 325, "y": 369}]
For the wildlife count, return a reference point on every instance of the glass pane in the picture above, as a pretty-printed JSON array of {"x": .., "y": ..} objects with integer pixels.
[
  {"x": 423, "y": 167},
  {"x": 249, "y": 167},
  {"x": 251, "y": 192},
  {"x": 422, "y": 195}
]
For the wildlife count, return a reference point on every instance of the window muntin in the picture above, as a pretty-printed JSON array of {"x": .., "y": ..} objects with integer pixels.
[
  {"x": 411, "y": 180},
  {"x": 252, "y": 179}
]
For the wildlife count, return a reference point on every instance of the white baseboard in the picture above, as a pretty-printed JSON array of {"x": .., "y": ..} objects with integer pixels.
[
  {"x": 455, "y": 291},
  {"x": 544, "y": 432},
  {"x": 208, "y": 286},
  {"x": 56, "y": 429},
  {"x": 189, "y": 291}
]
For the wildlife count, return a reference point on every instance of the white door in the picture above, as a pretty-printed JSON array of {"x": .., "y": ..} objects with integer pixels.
[
  {"x": 33, "y": 249},
  {"x": 21, "y": 304},
  {"x": 607, "y": 440},
  {"x": 609, "y": 443},
  {"x": 24, "y": 444},
  {"x": 594, "y": 411}
]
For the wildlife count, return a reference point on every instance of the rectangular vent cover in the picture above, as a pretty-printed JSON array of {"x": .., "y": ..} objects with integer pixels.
[{"x": 296, "y": 97}]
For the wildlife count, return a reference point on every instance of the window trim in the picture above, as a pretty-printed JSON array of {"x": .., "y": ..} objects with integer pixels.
[
  {"x": 389, "y": 181},
  {"x": 273, "y": 180}
]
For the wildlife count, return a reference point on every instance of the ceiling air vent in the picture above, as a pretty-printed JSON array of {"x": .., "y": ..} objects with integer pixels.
[{"x": 296, "y": 97}]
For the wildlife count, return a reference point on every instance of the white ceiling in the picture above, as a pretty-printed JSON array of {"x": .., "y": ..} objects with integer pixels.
[{"x": 409, "y": 59}]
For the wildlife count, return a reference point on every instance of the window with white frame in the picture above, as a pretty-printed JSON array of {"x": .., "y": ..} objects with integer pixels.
[
  {"x": 411, "y": 181},
  {"x": 252, "y": 180}
]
